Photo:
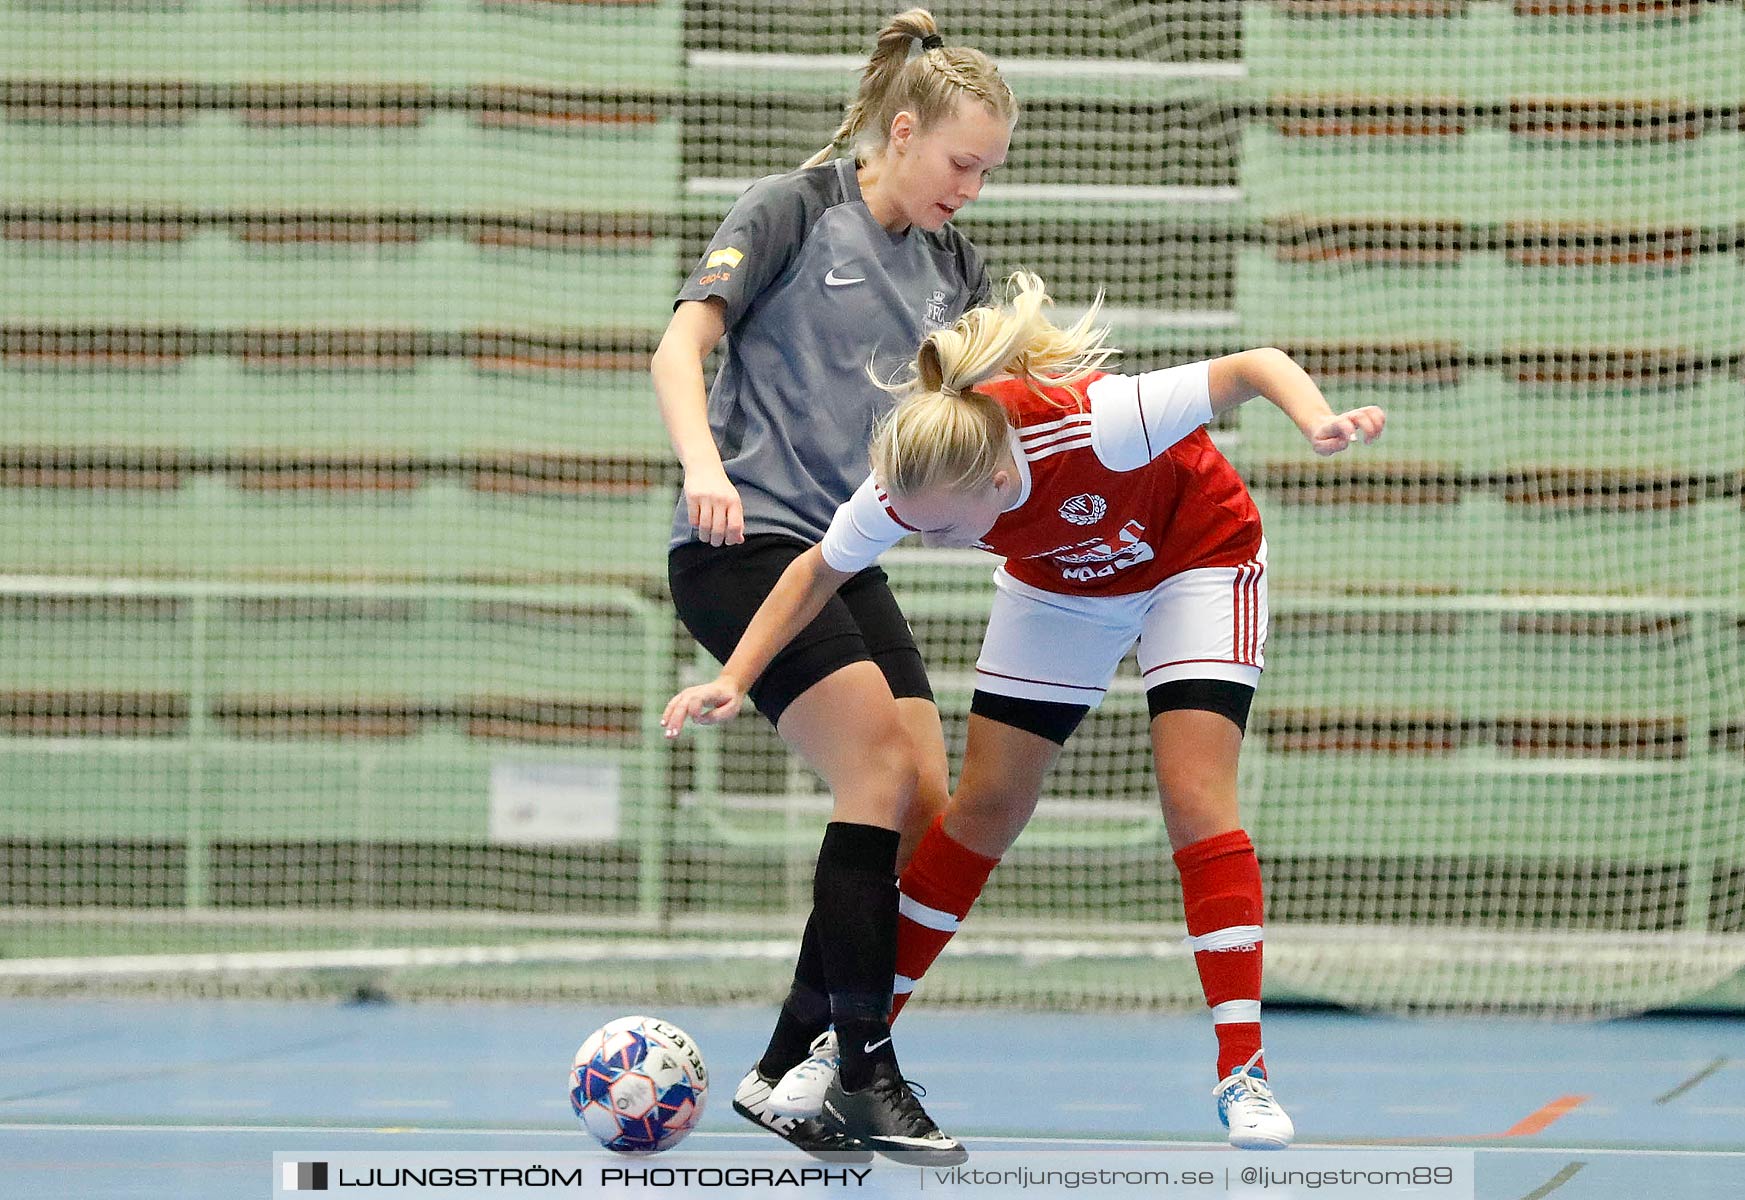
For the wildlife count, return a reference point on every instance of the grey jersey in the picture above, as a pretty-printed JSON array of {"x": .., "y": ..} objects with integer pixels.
[{"x": 815, "y": 289}]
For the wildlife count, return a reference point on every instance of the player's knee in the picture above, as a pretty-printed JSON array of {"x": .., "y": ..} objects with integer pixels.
[
  {"x": 1191, "y": 787},
  {"x": 1197, "y": 810},
  {"x": 931, "y": 798},
  {"x": 986, "y": 823},
  {"x": 979, "y": 805},
  {"x": 892, "y": 764}
]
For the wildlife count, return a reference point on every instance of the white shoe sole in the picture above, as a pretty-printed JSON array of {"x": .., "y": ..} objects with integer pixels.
[{"x": 1259, "y": 1141}]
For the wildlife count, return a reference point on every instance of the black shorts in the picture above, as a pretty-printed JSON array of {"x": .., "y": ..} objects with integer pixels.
[
  {"x": 717, "y": 590},
  {"x": 1056, "y": 722}
]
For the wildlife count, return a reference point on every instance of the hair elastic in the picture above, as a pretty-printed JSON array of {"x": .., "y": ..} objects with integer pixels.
[{"x": 932, "y": 42}]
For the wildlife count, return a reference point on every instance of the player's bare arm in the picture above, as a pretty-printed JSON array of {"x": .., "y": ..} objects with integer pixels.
[
  {"x": 1272, "y": 373},
  {"x": 798, "y": 597},
  {"x": 677, "y": 370}
]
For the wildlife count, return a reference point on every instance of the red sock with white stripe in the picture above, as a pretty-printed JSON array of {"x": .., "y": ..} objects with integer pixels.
[
  {"x": 1221, "y": 891},
  {"x": 937, "y": 890}
]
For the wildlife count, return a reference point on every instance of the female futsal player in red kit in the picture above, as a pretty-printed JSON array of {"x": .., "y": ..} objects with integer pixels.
[{"x": 1119, "y": 523}]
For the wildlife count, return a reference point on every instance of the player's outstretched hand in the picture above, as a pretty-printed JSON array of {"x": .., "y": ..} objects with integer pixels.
[
  {"x": 1337, "y": 433},
  {"x": 707, "y": 704},
  {"x": 714, "y": 507}
]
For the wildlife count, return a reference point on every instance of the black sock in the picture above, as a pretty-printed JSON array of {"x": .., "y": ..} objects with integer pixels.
[
  {"x": 805, "y": 1013},
  {"x": 854, "y": 897},
  {"x": 864, "y": 1044}
]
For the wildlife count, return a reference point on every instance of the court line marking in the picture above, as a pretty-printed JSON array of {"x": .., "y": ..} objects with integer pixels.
[
  {"x": 1539, "y": 1121},
  {"x": 1536, "y": 1121},
  {"x": 263, "y": 1055},
  {"x": 1555, "y": 1182},
  {"x": 734, "y": 1135},
  {"x": 54, "y": 1042},
  {"x": 1690, "y": 1083}
]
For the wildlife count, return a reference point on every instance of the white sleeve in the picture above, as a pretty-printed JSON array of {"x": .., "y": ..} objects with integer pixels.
[
  {"x": 861, "y": 530},
  {"x": 1135, "y": 418}
]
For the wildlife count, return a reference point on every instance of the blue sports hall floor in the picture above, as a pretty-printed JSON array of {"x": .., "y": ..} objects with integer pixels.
[{"x": 190, "y": 1100}]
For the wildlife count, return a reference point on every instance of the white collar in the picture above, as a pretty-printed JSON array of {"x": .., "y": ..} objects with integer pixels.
[{"x": 1023, "y": 464}]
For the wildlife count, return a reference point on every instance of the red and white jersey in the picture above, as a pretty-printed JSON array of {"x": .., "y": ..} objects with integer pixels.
[{"x": 1120, "y": 488}]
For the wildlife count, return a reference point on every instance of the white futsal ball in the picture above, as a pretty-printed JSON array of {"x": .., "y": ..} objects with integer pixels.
[{"x": 638, "y": 1084}]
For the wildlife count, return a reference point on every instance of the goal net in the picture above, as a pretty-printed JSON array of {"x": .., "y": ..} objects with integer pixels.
[{"x": 334, "y": 503}]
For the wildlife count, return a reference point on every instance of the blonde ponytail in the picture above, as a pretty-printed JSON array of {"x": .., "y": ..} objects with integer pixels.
[
  {"x": 928, "y": 85},
  {"x": 944, "y": 434},
  {"x": 1047, "y": 355}
]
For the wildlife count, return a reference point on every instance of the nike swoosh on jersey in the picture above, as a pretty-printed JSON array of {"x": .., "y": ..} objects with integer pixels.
[
  {"x": 869, "y": 1047},
  {"x": 832, "y": 279}
]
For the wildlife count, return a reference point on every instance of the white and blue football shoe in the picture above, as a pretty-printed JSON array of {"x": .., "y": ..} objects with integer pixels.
[
  {"x": 1247, "y": 1109},
  {"x": 801, "y": 1091}
]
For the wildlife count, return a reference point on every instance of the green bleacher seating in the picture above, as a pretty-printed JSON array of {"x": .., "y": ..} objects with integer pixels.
[
  {"x": 447, "y": 160},
  {"x": 1525, "y": 810},
  {"x": 423, "y": 789},
  {"x": 271, "y": 715},
  {"x": 1494, "y": 52},
  {"x": 443, "y": 43},
  {"x": 1489, "y": 542},
  {"x": 1489, "y": 175},
  {"x": 1487, "y": 422},
  {"x": 214, "y": 281},
  {"x": 429, "y": 653},
  {"x": 534, "y": 168},
  {"x": 337, "y": 522},
  {"x": 440, "y": 406},
  {"x": 1485, "y": 300}
]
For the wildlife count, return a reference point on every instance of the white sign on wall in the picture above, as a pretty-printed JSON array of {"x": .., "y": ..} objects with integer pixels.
[{"x": 554, "y": 803}]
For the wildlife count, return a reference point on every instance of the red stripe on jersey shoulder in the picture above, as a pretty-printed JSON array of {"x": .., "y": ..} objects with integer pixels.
[
  {"x": 885, "y": 503},
  {"x": 1027, "y": 409},
  {"x": 1047, "y": 429},
  {"x": 1083, "y": 443},
  {"x": 1058, "y": 440}
]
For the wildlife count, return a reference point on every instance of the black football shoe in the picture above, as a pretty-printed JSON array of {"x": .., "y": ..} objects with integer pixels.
[
  {"x": 886, "y": 1116},
  {"x": 751, "y": 1101}
]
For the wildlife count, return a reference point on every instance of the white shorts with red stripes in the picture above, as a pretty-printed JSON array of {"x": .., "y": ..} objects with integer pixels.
[{"x": 1208, "y": 623}]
